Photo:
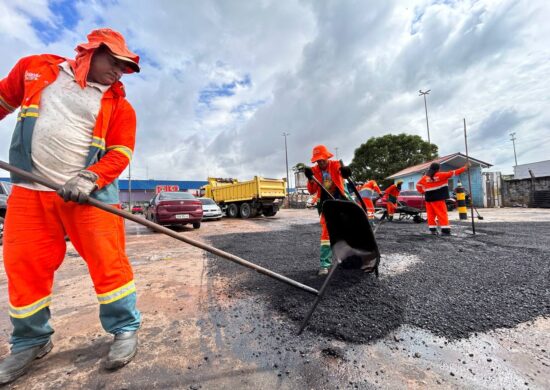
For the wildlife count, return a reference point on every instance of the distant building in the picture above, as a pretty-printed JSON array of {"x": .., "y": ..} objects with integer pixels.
[
  {"x": 539, "y": 169},
  {"x": 412, "y": 175}
]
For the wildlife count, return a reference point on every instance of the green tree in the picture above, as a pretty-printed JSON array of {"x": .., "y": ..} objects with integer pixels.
[{"x": 383, "y": 156}]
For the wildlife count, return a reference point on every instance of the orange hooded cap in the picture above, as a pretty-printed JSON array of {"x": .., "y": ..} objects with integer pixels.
[
  {"x": 320, "y": 152},
  {"x": 115, "y": 43}
]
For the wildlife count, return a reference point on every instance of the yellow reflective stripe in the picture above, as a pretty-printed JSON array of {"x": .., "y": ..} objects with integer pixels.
[
  {"x": 325, "y": 242},
  {"x": 6, "y": 105},
  {"x": 122, "y": 149},
  {"x": 102, "y": 147},
  {"x": 116, "y": 294},
  {"x": 27, "y": 114},
  {"x": 98, "y": 140},
  {"x": 29, "y": 310},
  {"x": 30, "y": 106}
]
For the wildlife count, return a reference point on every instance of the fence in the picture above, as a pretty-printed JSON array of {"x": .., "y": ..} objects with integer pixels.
[{"x": 534, "y": 192}]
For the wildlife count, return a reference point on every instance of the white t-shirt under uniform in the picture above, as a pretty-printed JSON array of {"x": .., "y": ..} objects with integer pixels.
[{"x": 63, "y": 131}]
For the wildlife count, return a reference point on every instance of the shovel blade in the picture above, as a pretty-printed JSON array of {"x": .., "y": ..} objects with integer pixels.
[{"x": 351, "y": 236}]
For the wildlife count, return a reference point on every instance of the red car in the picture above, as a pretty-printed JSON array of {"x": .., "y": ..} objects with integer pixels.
[
  {"x": 414, "y": 199},
  {"x": 175, "y": 208},
  {"x": 137, "y": 209}
]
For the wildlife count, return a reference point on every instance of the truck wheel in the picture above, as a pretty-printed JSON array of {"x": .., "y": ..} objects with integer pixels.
[
  {"x": 269, "y": 212},
  {"x": 232, "y": 210},
  {"x": 246, "y": 210}
]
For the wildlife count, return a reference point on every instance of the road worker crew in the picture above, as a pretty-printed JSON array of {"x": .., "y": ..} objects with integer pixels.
[
  {"x": 435, "y": 187},
  {"x": 331, "y": 175},
  {"x": 371, "y": 190},
  {"x": 76, "y": 129},
  {"x": 390, "y": 196}
]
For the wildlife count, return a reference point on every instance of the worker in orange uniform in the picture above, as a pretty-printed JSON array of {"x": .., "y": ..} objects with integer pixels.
[
  {"x": 76, "y": 129},
  {"x": 390, "y": 196},
  {"x": 371, "y": 191},
  {"x": 435, "y": 187},
  {"x": 331, "y": 175}
]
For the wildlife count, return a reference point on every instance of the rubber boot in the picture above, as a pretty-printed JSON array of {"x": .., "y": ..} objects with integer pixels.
[
  {"x": 122, "y": 351},
  {"x": 445, "y": 232},
  {"x": 433, "y": 231},
  {"x": 18, "y": 363}
]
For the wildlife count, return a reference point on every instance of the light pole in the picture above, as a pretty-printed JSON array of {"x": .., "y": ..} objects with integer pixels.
[
  {"x": 336, "y": 152},
  {"x": 426, "y": 108},
  {"x": 286, "y": 160},
  {"x": 513, "y": 139}
]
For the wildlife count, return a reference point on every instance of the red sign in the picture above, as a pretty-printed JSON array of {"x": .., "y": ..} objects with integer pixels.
[{"x": 167, "y": 188}]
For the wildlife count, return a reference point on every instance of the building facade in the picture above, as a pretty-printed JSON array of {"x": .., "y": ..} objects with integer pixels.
[{"x": 411, "y": 175}]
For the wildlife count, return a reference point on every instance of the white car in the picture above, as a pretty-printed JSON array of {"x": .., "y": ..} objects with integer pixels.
[{"x": 210, "y": 210}]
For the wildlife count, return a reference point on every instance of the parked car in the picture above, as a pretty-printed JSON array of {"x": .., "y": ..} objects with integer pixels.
[
  {"x": 210, "y": 209},
  {"x": 137, "y": 209},
  {"x": 414, "y": 199},
  {"x": 5, "y": 189},
  {"x": 175, "y": 208}
]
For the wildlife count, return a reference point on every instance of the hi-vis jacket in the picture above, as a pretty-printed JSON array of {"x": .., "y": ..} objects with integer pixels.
[
  {"x": 113, "y": 138},
  {"x": 437, "y": 188},
  {"x": 333, "y": 170},
  {"x": 372, "y": 187}
]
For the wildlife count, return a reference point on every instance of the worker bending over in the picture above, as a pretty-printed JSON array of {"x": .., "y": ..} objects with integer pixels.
[
  {"x": 372, "y": 191},
  {"x": 390, "y": 196}
]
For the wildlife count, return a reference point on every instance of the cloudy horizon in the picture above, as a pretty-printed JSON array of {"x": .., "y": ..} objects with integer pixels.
[{"x": 221, "y": 81}]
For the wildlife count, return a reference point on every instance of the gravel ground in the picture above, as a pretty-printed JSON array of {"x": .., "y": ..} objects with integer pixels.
[{"x": 452, "y": 287}]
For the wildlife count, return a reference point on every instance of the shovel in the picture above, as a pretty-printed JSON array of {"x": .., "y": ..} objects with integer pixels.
[{"x": 161, "y": 229}]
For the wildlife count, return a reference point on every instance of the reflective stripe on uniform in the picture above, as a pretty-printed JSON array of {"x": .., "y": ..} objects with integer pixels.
[
  {"x": 5, "y": 105},
  {"x": 29, "y": 310},
  {"x": 122, "y": 149},
  {"x": 117, "y": 294},
  {"x": 98, "y": 142}
]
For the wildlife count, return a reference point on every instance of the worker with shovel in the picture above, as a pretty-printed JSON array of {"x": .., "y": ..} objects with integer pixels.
[
  {"x": 371, "y": 190},
  {"x": 76, "y": 129},
  {"x": 435, "y": 187},
  {"x": 330, "y": 174},
  {"x": 390, "y": 195}
]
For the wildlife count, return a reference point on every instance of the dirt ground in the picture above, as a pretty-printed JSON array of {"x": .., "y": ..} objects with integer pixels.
[{"x": 211, "y": 324}]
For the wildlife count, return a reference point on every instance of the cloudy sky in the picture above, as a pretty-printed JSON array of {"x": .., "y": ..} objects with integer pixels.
[{"x": 222, "y": 80}]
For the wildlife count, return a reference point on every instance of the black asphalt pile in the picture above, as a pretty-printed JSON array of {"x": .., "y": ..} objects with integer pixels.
[{"x": 462, "y": 284}]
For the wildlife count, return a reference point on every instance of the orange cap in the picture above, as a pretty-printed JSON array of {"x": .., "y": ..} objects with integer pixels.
[
  {"x": 320, "y": 152},
  {"x": 115, "y": 43}
]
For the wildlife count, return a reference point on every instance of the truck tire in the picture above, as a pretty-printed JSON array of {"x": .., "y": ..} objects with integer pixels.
[
  {"x": 245, "y": 210},
  {"x": 232, "y": 211},
  {"x": 269, "y": 212}
]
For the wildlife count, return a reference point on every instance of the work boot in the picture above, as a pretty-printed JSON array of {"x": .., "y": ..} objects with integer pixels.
[
  {"x": 433, "y": 232},
  {"x": 445, "y": 232},
  {"x": 122, "y": 350},
  {"x": 17, "y": 364},
  {"x": 322, "y": 272}
]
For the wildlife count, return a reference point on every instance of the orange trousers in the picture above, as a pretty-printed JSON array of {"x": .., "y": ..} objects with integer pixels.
[
  {"x": 370, "y": 207},
  {"x": 391, "y": 207},
  {"x": 437, "y": 214},
  {"x": 34, "y": 248}
]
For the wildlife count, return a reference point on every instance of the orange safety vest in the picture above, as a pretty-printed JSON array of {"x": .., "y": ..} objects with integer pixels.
[{"x": 437, "y": 188}]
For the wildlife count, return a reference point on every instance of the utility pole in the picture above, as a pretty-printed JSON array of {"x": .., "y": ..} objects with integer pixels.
[
  {"x": 513, "y": 139},
  {"x": 426, "y": 109},
  {"x": 336, "y": 152},
  {"x": 286, "y": 160}
]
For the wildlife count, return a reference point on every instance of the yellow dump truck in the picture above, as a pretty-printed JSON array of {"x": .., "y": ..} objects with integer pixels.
[{"x": 246, "y": 199}]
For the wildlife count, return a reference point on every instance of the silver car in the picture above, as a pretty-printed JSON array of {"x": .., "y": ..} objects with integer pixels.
[{"x": 210, "y": 210}]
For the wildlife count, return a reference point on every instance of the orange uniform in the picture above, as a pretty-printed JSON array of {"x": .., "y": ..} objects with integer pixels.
[
  {"x": 37, "y": 221},
  {"x": 390, "y": 195},
  {"x": 436, "y": 190},
  {"x": 372, "y": 188}
]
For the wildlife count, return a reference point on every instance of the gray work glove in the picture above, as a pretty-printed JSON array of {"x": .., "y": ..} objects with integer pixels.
[{"x": 79, "y": 187}]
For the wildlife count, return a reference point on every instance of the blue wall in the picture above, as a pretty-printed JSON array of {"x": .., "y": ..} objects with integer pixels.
[{"x": 477, "y": 183}]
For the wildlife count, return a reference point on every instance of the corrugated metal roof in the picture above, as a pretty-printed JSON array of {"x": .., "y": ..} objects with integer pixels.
[
  {"x": 457, "y": 159},
  {"x": 539, "y": 169}
]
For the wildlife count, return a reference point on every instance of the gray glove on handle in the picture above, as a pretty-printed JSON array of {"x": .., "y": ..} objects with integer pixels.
[{"x": 79, "y": 187}]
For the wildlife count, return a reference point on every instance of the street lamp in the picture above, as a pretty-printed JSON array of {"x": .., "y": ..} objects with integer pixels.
[
  {"x": 426, "y": 108},
  {"x": 286, "y": 160}
]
